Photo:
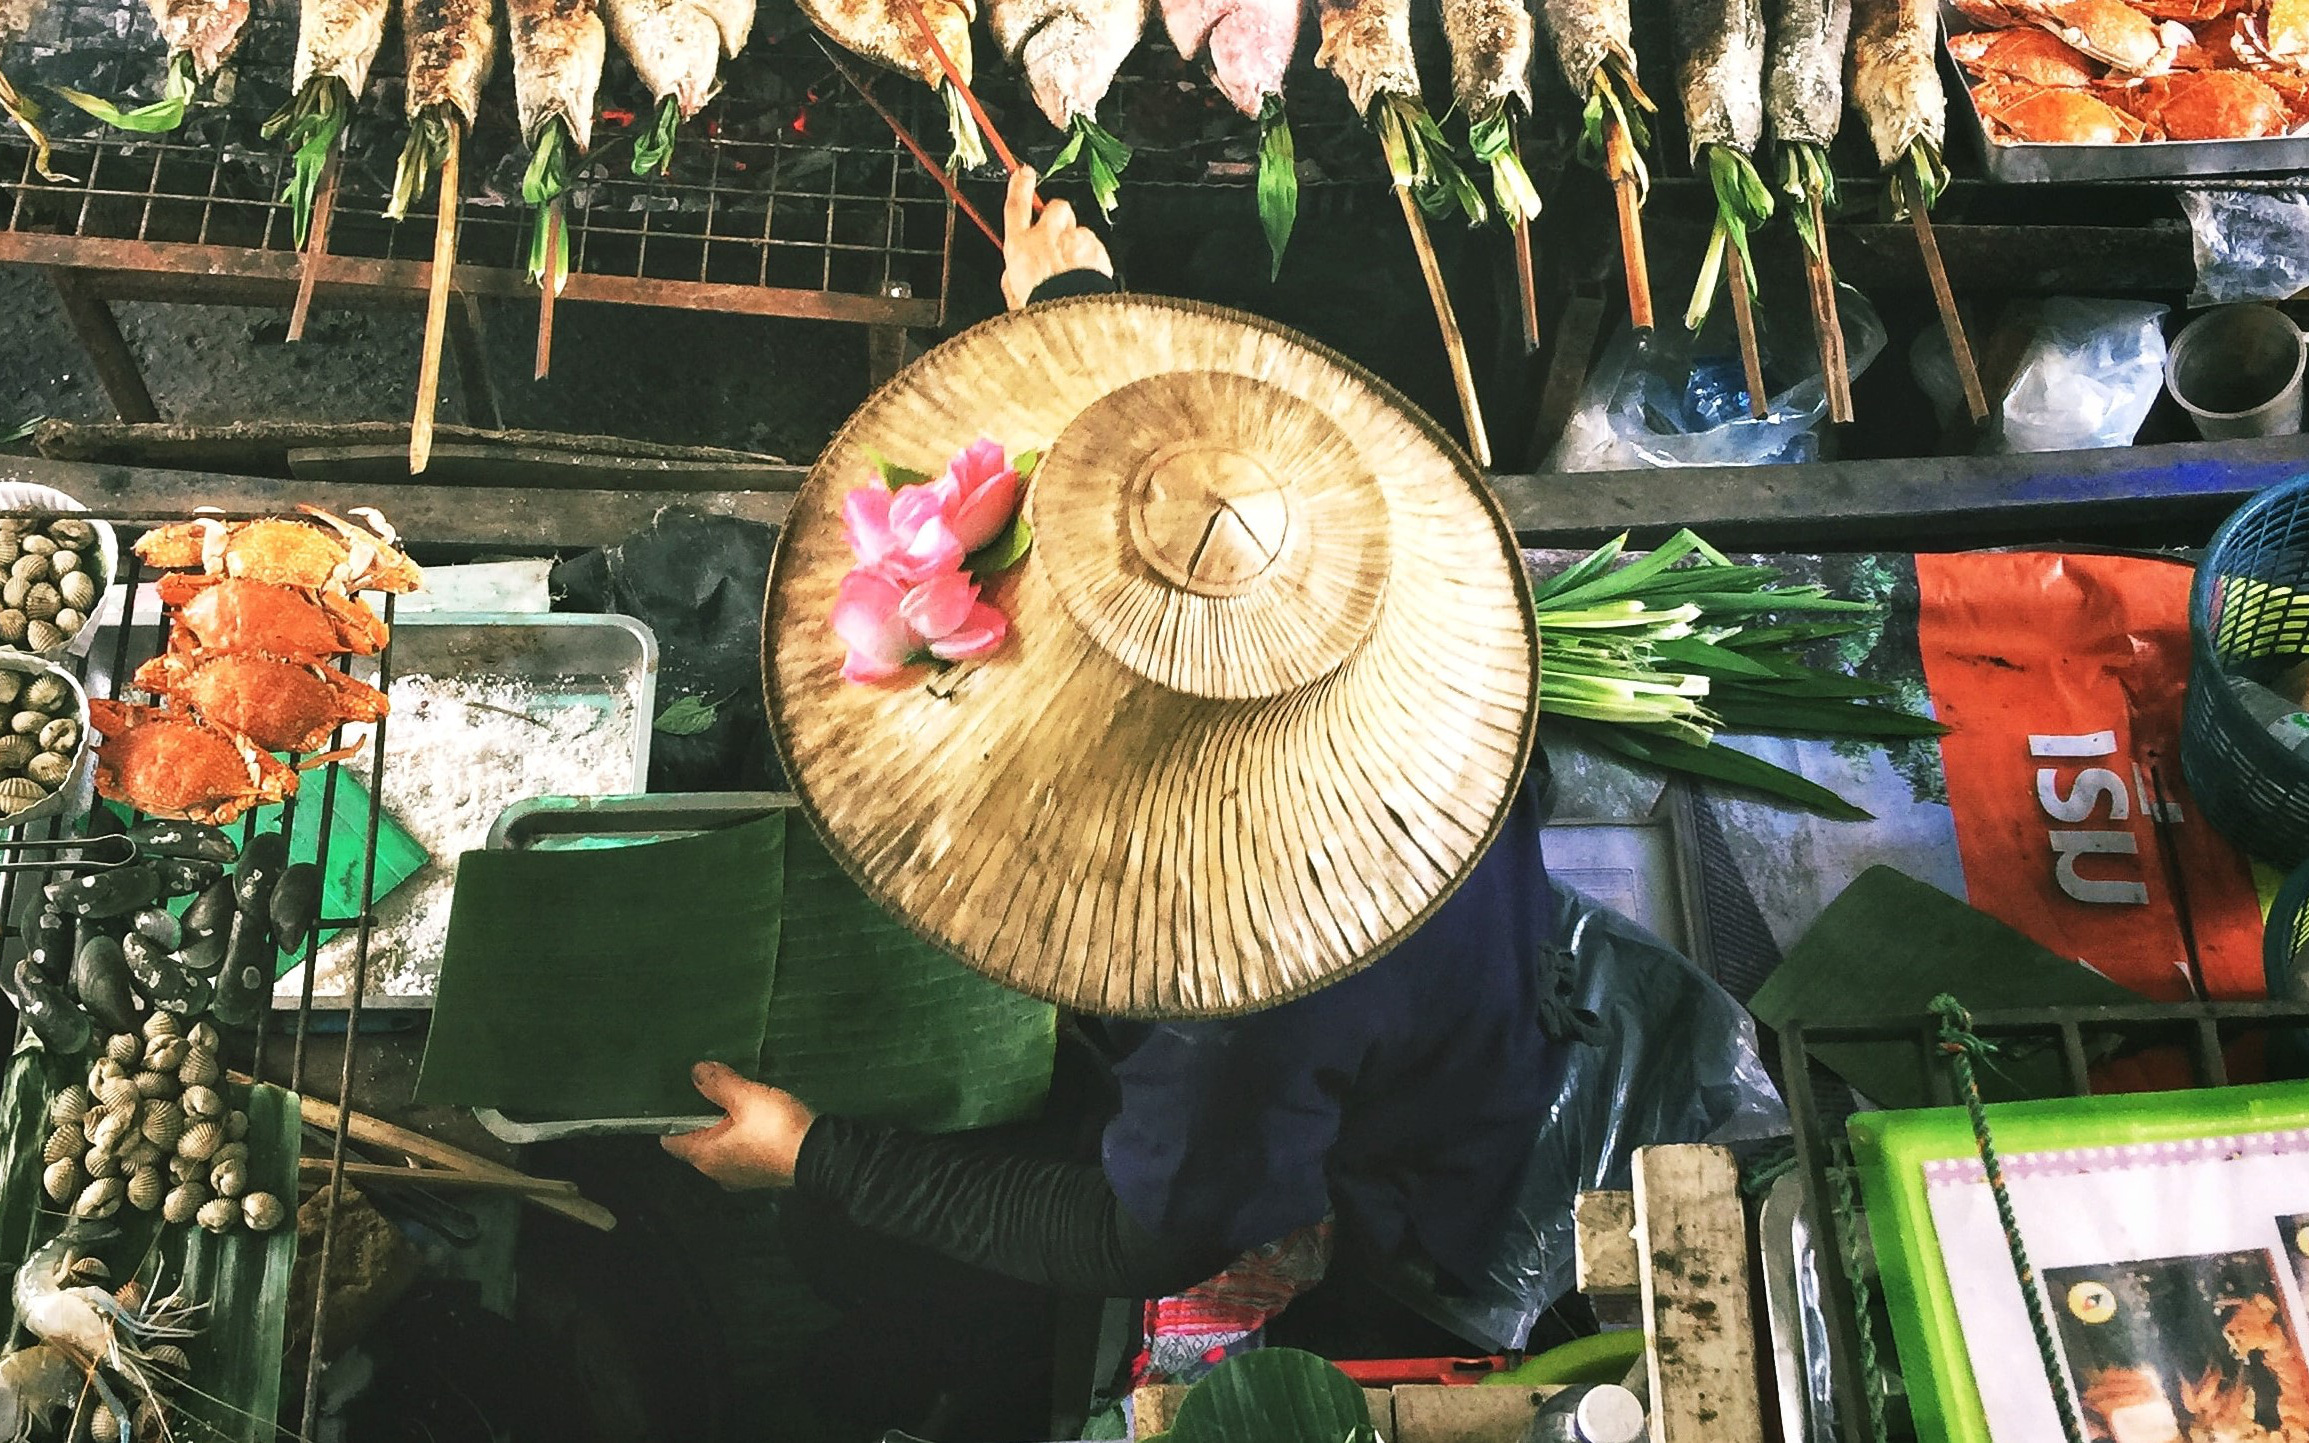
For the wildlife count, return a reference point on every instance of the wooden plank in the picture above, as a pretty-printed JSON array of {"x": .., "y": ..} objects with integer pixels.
[
  {"x": 1604, "y": 1244},
  {"x": 1443, "y": 1414},
  {"x": 98, "y": 331},
  {"x": 1156, "y": 1406},
  {"x": 522, "y": 466},
  {"x": 1699, "y": 1328}
]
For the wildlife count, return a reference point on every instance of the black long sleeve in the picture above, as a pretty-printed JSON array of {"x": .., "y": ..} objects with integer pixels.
[
  {"x": 1052, "y": 1224},
  {"x": 1074, "y": 283}
]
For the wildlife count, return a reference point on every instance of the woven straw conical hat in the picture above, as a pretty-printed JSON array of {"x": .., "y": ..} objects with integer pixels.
[{"x": 1269, "y": 683}]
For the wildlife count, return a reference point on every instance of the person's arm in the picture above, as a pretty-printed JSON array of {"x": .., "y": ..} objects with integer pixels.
[
  {"x": 1048, "y": 257},
  {"x": 1056, "y": 1225}
]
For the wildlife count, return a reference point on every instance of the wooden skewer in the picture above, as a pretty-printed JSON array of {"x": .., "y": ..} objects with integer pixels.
[
  {"x": 437, "y": 306},
  {"x": 1967, "y": 371},
  {"x": 1527, "y": 286},
  {"x": 953, "y": 74},
  {"x": 316, "y": 245},
  {"x": 1620, "y": 164},
  {"x": 913, "y": 146},
  {"x": 1744, "y": 321},
  {"x": 1828, "y": 327},
  {"x": 1454, "y": 344},
  {"x": 552, "y": 223},
  {"x": 441, "y": 1177}
]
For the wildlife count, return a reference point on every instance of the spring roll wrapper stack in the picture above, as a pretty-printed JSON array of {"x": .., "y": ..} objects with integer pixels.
[
  {"x": 1804, "y": 73},
  {"x": 1893, "y": 80}
]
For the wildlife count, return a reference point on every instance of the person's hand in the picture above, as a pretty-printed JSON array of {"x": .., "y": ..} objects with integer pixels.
[
  {"x": 756, "y": 1144},
  {"x": 1034, "y": 250}
]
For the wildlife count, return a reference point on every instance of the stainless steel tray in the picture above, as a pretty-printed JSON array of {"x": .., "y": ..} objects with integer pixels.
[
  {"x": 2032, "y": 162},
  {"x": 569, "y": 823}
]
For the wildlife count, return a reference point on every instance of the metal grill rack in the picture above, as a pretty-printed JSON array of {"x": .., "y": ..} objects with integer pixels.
[{"x": 118, "y": 650}]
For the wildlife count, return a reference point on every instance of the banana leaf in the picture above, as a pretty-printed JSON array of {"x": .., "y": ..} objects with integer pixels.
[
  {"x": 235, "y": 1387},
  {"x": 1274, "y": 1395},
  {"x": 584, "y": 983}
]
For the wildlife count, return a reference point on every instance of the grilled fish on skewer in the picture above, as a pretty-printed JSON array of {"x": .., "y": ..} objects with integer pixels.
[
  {"x": 16, "y": 17},
  {"x": 1892, "y": 81},
  {"x": 1070, "y": 51},
  {"x": 337, "y": 41},
  {"x": 676, "y": 47},
  {"x": 558, "y": 46},
  {"x": 1247, "y": 45},
  {"x": 451, "y": 47},
  {"x": 1490, "y": 75},
  {"x": 1804, "y": 105},
  {"x": 1721, "y": 75},
  {"x": 1594, "y": 47},
  {"x": 200, "y": 35},
  {"x": 883, "y": 32}
]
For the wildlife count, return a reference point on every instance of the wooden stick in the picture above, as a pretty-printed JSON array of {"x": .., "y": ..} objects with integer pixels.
[
  {"x": 953, "y": 74},
  {"x": 440, "y": 1177},
  {"x": 906, "y": 138},
  {"x": 1827, "y": 325},
  {"x": 1527, "y": 286},
  {"x": 316, "y": 245},
  {"x": 1967, "y": 371},
  {"x": 552, "y": 223},
  {"x": 1620, "y": 165},
  {"x": 371, "y": 1132},
  {"x": 437, "y": 306},
  {"x": 1744, "y": 321},
  {"x": 1454, "y": 344}
]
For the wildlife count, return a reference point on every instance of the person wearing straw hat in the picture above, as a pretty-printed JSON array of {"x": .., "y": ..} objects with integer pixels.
[{"x": 1228, "y": 760}]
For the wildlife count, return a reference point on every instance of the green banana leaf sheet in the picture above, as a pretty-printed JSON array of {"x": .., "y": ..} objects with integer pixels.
[
  {"x": 584, "y": 983},
  {"x": 235, "y": 1387}
]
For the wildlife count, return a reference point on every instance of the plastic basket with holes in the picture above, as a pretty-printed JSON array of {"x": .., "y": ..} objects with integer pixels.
[{"x": 2249, "y": 622}]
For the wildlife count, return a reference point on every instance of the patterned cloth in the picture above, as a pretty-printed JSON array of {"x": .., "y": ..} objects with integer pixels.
[{"x": 1189, "y": 1335}]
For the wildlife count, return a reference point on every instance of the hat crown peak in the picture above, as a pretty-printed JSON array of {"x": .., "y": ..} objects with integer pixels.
[{"x": 1209, "y": 519}]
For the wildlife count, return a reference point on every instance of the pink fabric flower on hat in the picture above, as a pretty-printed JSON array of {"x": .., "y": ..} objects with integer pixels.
[{"x": 888, "y": 627}]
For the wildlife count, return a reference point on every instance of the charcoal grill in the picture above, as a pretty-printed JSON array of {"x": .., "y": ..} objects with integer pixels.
[{"x": 828, "y": 219}]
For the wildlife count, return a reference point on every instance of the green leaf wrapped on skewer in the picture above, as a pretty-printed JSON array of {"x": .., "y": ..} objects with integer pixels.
[
  {"x": 1743, "y": 202},
  {"x": 161, "y": 116},
  {"x": 969, "y": 150},
  {"x": 1104, "y": 157},
  {"x": 428, "y": 145},
  {"x": 1278, "y": 181},
  {"x": 24, "y": 113},
  {"x": 653, "y": 148},
  {"x": 1492, "y": 138},
  {"x": 1612, "y": 96},
  {"x": 1804, "y": 177},
  {"x": 311, "y": 123},
  {"x": 1418, "y": 157},
  {"x": 546, "y": 180}
]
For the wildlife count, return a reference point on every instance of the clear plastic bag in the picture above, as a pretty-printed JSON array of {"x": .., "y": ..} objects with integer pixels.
[
  {"x": 1677, "y": 1063},
  {"x": 2250, "y": 245},
  {"x": 2088, "y": 378},
  {"x": 1684, "y": 401}
]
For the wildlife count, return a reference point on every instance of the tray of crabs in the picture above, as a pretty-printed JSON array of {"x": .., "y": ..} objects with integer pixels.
[{"x": 2067, "y": 90}]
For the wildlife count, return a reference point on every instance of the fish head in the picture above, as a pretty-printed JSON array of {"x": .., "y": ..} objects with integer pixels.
[
  {"x": 1066, "y": 69},
  {"x": 1251, "y": 49}
]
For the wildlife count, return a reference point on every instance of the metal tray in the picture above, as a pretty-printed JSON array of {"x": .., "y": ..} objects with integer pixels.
[
  {"x": 570, "y": 823},
  {"x": 2031, "y": 162}
]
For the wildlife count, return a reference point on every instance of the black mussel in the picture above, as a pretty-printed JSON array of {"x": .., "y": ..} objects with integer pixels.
[
  {"x": 100, "y": 978},
  {"x": 247, "y": 974},
  {"x": 296, "y": 905},
  {"x": 50, "y": 952},
  {"x": 157, "y": 976},
  {"x": 260, "y": 868},
  {"x": 182, "y": 878},
  {"x": 50, "y": 1012},
  {"x": 160, "y": 926},
  {"x": 106, "y": 894},
  {"x": 201, "y": 956},
  {"x": 186, "y": 841},
  {"x": 211, "y": 912}
]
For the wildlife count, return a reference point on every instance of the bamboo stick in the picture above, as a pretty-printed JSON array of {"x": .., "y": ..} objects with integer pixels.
[
  {"x": 1827, "y": 325},
  {"x": 547, "y": 291},
  {"x": 316, "y": 245},
  {"x": 1454, "y": 344},
  {"x": 437, "y": 306},
  {"x": 914, "y": 147},
  {"x": 1744, "y": 322},
  {"x": 1526, "y": 284},
  {"x": 953, "y": 74},
  {"x": 1967, "y": 370},
  {"x": 1619, "y": 162},
  {"x": 441, "y": 1177}
]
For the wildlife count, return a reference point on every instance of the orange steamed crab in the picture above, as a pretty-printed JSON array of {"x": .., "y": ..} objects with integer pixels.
[
  {"x": 281, "y": 706},
  {"x": 2024, "y": 53},
  {"x": 225, "y": 613},
  {"x": 164, "y": 764},
  {"x": 288, "y": 553},
  {"x": 2109, "y": 31},
  {"x": 2205, "y": 105},
  {"x": 2019, "y": 112}
]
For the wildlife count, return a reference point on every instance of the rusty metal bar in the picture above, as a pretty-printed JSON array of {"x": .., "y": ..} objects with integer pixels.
[{"x": 99, "y": 332}]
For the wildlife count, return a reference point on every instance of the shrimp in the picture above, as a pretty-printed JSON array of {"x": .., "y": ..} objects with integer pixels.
[
  {"x": 91, "y": 1328},
  {"x": 34, "y": 1383}
]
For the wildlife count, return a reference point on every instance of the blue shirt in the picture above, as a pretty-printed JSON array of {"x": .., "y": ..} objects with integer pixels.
[{"x": 1403, "y": 1098}]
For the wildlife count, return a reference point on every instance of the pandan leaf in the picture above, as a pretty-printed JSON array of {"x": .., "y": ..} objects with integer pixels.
[
  {"x": 161, "y": 116},
  {"x": 1719, "y": 763},
  {"x": 1274, "y": 1395},
  {"x": 1742, "y": 201},
  {"x": 24, "y": 112},
  {"x": 1278, "y": 181},
  {"x": 687, "y": 717},
  {"x": 311, "y": 121},
  {"x": 421, "y": 155},
  {"x": 653, "y": 148},
  {"x": 546, "y": 180},
  {"x": 17, "y": 433},
  {"x": 1492, "y": 138},
  {"x": 1104, "y": 157},
  {"x": 969, "y": 150}
]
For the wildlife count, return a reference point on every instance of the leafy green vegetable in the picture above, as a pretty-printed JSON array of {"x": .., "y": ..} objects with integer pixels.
[
  {"x": 1419, "y": 158},
  {"x": 1804, "y": 176},
  {"x": 542, "y": 185},
  {"x": 1102, "y": 155},
  {"x": 1278, "y": 181},
  {"x": 24, "y": 112},
  {"x": 312, "y": 121},
  {"x": 162, "y": 115},
  {"x": 687, "y": 717},
  {"x": 969, "y": 151},
  {"x": 1493, "y": 140},
  {"x": 18, "y": 432},
  {"x": 1720, "y": 764},
  {"x": 1742, "y": 202},
  {"x": 1613, "y": 96},
  {"x": 1274, "y": 1395},
  {"x": 428, "y": 145},
  {"x": 653, "y": 148}
]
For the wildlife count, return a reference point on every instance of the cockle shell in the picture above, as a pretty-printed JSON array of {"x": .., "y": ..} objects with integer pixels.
[
  {"x": 130, "y": 1295},
  {"x": 118, "y": 1091},
  {"x": 62, "y": 1180},
  {"x": 42, "y": 601},
  {"x": 45, "y": 693},
  {"x": 70, "y": 620},
  {"x": 66, "y": 1141},
  {"x": 124, "y": 1047},
  {"x": 112, "y": 1129},
  {"x": 64, "y": 563},
  {"x": 203, "y": 1034},
  {"x": 262, "y": 1211},
  {"x": 18, "y": 793},
  {"x": 103, "y": 1423},
  {"x": 187, "y": 1169},
  {"x": 200, "y": 1102},
  {"x": 163, "y": 1121},
  {"x": 101, "y": 1070},
  {"x": 70, "y": 531},
  {"x": 36, "y": 544},
  {"x": 88, "y": 1270},
  {"x": 200, "y": 1067},
  {"x": 200, "y": 1141},
  {"x": 13, "y": 624},
  {"x": 145, "y": 1189},
  {"x": 169, "y": 1358},
  {"x": 217, "y": 1214},
  {"x": 229, "y": 1178},
  {"x": 78, "y": 589},
  {"x": 140, "y": 1152},
  {"x": 60, "y": 735},
  {"x": 167, "y": 1054},
  {"x": 70, "y": 1105},
  {"x": 229, "y": 1152},
  {"x": 48, "y": 769},
  {"x": 236, "y": 1125},
  {"x": 42, "y": 633},
  {"x": 156, "y": 1084},
  {"x": 30, "y": 568},
  {"x": 100, "y": 1199},
  {"x": 162, "y": 1026},
  {"x": 184, "y": 1200},
  {"x": 102, "y": 1164}
]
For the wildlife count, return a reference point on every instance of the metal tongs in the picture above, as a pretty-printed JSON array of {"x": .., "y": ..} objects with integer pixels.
[{"x": 126, "y": 854}]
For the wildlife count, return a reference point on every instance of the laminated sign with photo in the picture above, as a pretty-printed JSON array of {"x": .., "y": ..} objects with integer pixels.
[{"x": 2174, "y": 1275}]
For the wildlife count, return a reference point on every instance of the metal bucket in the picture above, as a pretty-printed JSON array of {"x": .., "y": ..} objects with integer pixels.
[{"x": 2237, "y": 371}]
